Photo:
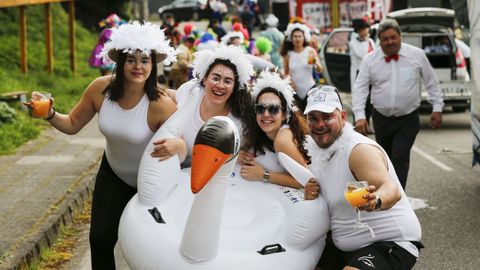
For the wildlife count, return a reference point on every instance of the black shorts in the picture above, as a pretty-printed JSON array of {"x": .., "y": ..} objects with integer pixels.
[{"x": 381, "y": 255}]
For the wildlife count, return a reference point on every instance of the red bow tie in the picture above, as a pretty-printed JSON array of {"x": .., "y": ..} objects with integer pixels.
[{"x": 390, "y": 57}]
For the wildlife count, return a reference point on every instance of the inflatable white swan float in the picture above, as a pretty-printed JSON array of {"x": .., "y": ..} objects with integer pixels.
[{"x": 229, "y": 223}]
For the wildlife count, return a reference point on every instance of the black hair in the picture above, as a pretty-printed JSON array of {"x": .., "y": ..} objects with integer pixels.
[
  {"x": 257, "y": 140},
  {"x": 287, "y": 45},
  {"x": 189, "y": 39},
  {"x": 116, "y": 88},
  {"x": 240, "y": 101}
]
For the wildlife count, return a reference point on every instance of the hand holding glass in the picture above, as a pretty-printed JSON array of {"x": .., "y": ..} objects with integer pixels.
[
  {"x": 41, "y": 103},
  {"x": 311, "y": 60},
  {"x": 354, "y": 194}
]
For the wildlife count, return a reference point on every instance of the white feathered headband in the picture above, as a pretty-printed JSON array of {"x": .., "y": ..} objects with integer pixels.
[
  {"x": 230, "y": 35},
  {"x": 298, "y": 26},
  {"x": 147, "y": 38},
  {"x": 273, "y": 80},
  {"x": 234, "y": 54}
]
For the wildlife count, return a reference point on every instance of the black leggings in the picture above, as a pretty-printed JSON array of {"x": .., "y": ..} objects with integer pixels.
[{"x": 110, "y": 197}]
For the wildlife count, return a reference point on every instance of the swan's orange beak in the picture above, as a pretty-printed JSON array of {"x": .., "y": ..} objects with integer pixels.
[{"x": 206, "y": 160}]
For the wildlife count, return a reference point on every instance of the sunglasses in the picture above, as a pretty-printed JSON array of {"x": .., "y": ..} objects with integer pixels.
[{"x": 272, "y": 109}]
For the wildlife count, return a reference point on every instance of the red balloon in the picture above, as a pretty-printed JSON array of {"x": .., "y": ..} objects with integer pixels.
[
  {"x": 237, "y": 26},
  {"x": 187, "y": 28}
]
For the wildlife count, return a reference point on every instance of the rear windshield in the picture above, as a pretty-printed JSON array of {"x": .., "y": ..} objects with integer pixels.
[
  {"x": 437, "y": 44},
  {"x": 439, "y": 47},
  {"x": 338, "y": 43}
]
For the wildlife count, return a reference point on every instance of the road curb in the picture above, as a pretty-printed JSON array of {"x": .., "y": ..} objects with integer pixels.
[{"x": 47, "y": 230}]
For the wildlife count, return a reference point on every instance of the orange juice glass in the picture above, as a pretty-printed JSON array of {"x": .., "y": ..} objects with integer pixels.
[
  {"x": 355, "y": 196},
  {"x": 311, "y": 60},
  {"x": 41, "y": 105}
]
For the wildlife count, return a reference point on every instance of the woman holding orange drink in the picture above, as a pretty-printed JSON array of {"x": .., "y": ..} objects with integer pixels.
[
  {"x": 131, "y": 106},
  {"x": 299, "y": 61}
]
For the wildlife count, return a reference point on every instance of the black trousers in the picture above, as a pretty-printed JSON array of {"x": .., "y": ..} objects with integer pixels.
[
  {"x": 396, "y": 135},
  {"x": 110, "y": 197}
]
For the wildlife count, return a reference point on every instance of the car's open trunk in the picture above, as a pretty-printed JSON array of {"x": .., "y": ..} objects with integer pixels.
[{"x": 438, "y": 48}]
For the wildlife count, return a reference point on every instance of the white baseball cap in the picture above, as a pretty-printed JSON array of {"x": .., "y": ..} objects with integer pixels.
[{"x": 324, "y": 99}]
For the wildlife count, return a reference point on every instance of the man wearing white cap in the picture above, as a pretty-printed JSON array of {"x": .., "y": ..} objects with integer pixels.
[{"x": 390, "y": 238}]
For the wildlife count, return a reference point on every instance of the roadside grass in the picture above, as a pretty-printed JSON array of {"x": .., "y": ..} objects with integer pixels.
[
  {"x": 65, "y": 86},
  {"x": 62, "y": 251}
]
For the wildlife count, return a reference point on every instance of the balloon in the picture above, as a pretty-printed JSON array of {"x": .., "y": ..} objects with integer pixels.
[
  {"x": 237, "y": 26},
  {"x": 245, "y": 33},
  {"x": 187, "y": 28},
  {"x": 263, "y": 45}
]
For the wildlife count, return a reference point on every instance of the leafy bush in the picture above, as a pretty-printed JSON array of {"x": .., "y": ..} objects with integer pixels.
[
  {"x": 7, "y": 114},
  {"x": 18, "y": 132}
]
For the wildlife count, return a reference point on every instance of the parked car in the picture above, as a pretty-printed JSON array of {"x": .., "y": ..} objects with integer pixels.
[
  {"x": 185, "y": 10},
  {"x": 427, "y": 28}
]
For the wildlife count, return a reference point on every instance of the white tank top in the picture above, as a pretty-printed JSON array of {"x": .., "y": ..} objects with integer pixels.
[
  {"x": 127, "y": 134},
  {"x": 269, "y": 160},
  {"x": 193, "y": 89},
  {"x": 398, "y": 224},
  {"x": 300, "y": 71}
]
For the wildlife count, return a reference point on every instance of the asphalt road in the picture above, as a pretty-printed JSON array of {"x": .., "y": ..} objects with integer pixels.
[{"x": 442, "y": 175}]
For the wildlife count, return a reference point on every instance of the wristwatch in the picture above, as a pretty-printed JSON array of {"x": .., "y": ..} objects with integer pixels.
[
  {"x": 266, "y": 176},
  {"x": 378, "y": 205}
]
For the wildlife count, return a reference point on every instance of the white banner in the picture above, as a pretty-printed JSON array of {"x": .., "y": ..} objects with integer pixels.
[{"x": 317, "y": 14}]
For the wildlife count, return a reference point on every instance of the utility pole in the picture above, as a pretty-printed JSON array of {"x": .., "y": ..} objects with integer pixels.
[{"x": 140, "y": 10}]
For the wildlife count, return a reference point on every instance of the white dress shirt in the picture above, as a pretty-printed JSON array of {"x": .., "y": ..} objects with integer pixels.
[
  {"x": 358, "y": 50},
  {"x": 395, "y": 85}
]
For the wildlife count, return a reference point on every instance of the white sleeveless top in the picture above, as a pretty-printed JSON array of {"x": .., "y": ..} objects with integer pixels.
[
  {"x": 269, "y": 161},
  {"x": 127, "y": 134},
  {"x": 330, "y": 166},
  {"x": 300, "y": 71},
  {"x": 193, "y": 89}
]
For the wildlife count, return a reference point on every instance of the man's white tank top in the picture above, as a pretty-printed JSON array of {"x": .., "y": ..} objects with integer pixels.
[
  {"x": 398, "y": 224},
  {"x": 127, "y": 134},
  {"x": 301, "y": 71}
]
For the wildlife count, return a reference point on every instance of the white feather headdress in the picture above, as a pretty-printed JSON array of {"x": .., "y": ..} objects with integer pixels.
[
  {"x": 233, "y": 34},
  {"x": 273, "y": 80},
  {"x": 234, "y": 54},
  {"x": 147, "y": 38},
  {"x": 298, "y": 26}
]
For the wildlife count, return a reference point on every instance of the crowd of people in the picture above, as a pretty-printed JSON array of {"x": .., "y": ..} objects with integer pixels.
[{"x": 278, "y": 106}]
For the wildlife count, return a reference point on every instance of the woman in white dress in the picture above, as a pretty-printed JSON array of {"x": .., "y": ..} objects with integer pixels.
[{"x": 299, "y": 61}]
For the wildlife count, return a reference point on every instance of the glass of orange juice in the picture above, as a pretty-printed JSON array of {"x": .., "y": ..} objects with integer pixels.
[
  {"x": 41, "y": 104},
  {"x": 354, "y": 194},
  {"x": 311, "y": 60}
]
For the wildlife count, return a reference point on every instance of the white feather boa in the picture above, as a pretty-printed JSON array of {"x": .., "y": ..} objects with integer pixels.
[{"x": 321, "y": 155}]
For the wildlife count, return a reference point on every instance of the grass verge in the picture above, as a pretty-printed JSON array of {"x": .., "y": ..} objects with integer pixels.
[{"x": 62, "y": 251}]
